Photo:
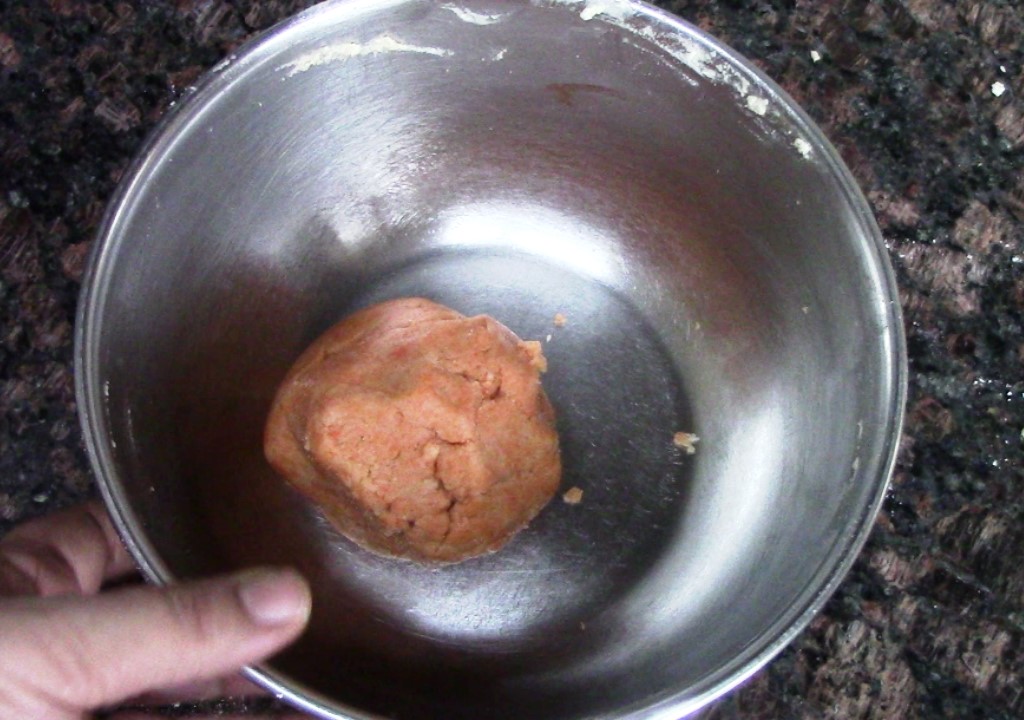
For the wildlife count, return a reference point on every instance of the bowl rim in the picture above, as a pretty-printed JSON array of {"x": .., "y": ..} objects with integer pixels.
[{"x": 90, "y": 393}]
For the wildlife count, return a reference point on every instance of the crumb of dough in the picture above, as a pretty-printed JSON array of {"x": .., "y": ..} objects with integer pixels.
[
  {"x": 548, "y": 338},
  {"x": 560, "y": 320},
  {"x": 686, "y": 441},
  {"x": 536, "y": 353},
  {"x": 573, "y": 496},
  {"x": 419, "y": 432},
  {"x": 583, "y": 626}
]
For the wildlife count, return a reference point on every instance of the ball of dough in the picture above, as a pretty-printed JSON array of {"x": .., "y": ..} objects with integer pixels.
[{"x": 421, "y": 433}]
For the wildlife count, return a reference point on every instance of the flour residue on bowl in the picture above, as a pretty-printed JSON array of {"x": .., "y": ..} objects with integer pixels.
[
  {"x": 695, "y": 56},
  {"x": 609, "y": 8},
  {"x": 702, "y": 60},
  {"x": 380, "y": 45},
  {"x": 472, "y": 17},
  {"x": 803, "y": 147},
  {"x": 757, "y": 104}
]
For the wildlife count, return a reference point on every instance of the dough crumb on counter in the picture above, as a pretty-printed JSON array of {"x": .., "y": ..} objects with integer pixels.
[{"x": 560, "y": 320}]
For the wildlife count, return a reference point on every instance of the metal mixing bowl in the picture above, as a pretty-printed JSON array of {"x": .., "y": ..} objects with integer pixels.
[{"x": 720, "y": 274}]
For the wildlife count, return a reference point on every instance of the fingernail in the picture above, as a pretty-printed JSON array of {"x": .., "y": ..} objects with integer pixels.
[{"x": 274, "y": 597}]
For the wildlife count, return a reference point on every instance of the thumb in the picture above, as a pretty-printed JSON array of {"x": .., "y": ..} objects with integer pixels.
[{"x": 63, "y": 655}]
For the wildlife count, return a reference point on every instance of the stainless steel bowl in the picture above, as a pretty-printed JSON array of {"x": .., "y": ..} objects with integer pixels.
[{"x": 720, "y": 274}]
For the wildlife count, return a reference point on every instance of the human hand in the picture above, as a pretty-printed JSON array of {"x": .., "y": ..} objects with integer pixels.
[{"x": 66, "y": 650}]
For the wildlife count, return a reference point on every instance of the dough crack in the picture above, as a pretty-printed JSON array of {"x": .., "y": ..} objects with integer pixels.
[{"x": 449, "y": 495}]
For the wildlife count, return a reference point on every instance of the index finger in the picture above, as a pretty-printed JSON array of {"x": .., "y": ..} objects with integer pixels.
[{"x": 73, "y": 551}]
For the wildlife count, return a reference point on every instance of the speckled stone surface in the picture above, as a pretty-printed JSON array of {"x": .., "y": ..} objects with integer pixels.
[{"x": 925, "y": 101}]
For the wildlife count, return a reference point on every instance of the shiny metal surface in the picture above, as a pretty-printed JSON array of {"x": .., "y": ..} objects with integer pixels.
[{"x": 720, "y": 273}]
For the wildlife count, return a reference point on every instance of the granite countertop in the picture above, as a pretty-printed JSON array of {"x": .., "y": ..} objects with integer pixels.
[{"x": 925, "y": 101}]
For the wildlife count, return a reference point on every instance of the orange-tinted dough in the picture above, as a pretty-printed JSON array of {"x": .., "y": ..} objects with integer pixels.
[{"x": 421, "y": 433}]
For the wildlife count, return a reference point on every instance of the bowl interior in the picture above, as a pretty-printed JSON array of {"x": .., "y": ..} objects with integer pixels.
[{"x": 719, "y": 273}]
